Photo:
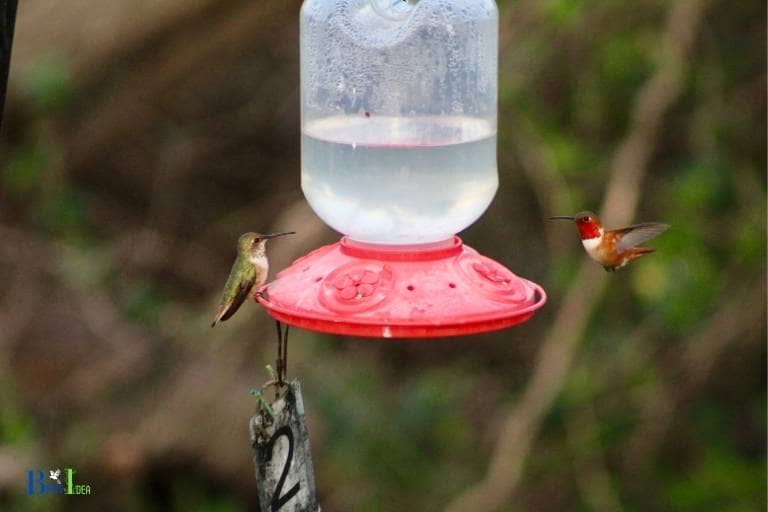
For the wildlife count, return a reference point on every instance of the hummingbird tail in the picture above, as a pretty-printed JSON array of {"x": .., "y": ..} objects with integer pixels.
[
  {"x": 220, "y": 316},
  {"x": 636, "y": 252}
]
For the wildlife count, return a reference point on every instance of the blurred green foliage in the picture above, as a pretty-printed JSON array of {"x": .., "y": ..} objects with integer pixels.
[
  {"x": 718, "y": 479},
  {"x": 48, "y": 83},
  {"x": 414, "y": 441}
]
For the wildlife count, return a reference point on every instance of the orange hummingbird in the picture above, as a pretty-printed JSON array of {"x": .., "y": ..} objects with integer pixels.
[{"x": 613, "y": 248}]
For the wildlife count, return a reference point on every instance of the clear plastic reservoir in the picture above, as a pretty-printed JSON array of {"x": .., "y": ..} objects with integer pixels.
[{"x": 399, "y": 115}]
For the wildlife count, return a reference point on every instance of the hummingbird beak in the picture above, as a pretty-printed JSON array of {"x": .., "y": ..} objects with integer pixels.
[
  {"x": 562, "y": 217},
  {"x": 275, "y": 235}
]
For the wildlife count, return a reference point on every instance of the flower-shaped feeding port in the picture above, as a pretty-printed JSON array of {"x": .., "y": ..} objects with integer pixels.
[
  {"x": 356, "y": 285},
  {"x": 495, "y": 275}
]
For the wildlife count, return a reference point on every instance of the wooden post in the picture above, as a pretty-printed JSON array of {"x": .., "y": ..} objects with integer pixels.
[{"x": 284, "y": 475}]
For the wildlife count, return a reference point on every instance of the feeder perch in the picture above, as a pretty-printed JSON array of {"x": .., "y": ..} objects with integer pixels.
[{"x": 399, "y": 154}]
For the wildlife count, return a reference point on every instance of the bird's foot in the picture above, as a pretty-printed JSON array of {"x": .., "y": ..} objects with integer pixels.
[
  {"x": 275, "y": 381},
  {"x": 263, "y": 294}
]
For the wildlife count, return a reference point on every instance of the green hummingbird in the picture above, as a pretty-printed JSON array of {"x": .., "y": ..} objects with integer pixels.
[{"x": 248, "y": 273}]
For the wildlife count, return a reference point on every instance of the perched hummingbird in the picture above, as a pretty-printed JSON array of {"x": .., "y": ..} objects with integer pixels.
[
  {"x": 248, "y": 273},
  {"x": 613, "y": 248}
]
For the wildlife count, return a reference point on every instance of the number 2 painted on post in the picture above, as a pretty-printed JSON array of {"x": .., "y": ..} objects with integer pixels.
[{"x": 277, "y": 500}]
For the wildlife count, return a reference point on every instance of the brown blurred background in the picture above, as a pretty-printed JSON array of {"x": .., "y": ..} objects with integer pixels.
[{"x": 141, "y": 138}]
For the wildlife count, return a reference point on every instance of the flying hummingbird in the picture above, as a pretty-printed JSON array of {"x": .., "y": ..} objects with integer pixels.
[
  {"x": 248, "y": 273},
  {"x": 613, "y": 248}
]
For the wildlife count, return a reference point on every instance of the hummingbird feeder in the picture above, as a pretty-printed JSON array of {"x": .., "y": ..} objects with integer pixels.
[{"x": 398, "y": 151}]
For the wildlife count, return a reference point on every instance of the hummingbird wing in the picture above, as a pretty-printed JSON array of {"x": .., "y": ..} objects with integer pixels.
[
  {"x": 633, "y": 236},
  {"x": 239, "y": 285}
]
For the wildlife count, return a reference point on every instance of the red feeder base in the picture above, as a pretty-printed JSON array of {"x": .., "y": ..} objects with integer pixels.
[{"x": 426, "y": 291}]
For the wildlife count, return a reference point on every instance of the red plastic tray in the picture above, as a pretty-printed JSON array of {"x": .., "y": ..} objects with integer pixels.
[{"x": 427, "y": 291}]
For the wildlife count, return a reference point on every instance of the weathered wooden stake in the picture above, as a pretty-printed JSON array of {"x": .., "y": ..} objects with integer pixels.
[{"x": 284, "y": 475}]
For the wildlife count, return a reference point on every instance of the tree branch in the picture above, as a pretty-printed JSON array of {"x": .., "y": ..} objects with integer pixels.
[{"x": 621, "y": 199}]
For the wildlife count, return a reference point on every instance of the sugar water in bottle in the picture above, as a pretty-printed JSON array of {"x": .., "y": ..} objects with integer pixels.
[{"x": 399, "y": 116}]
